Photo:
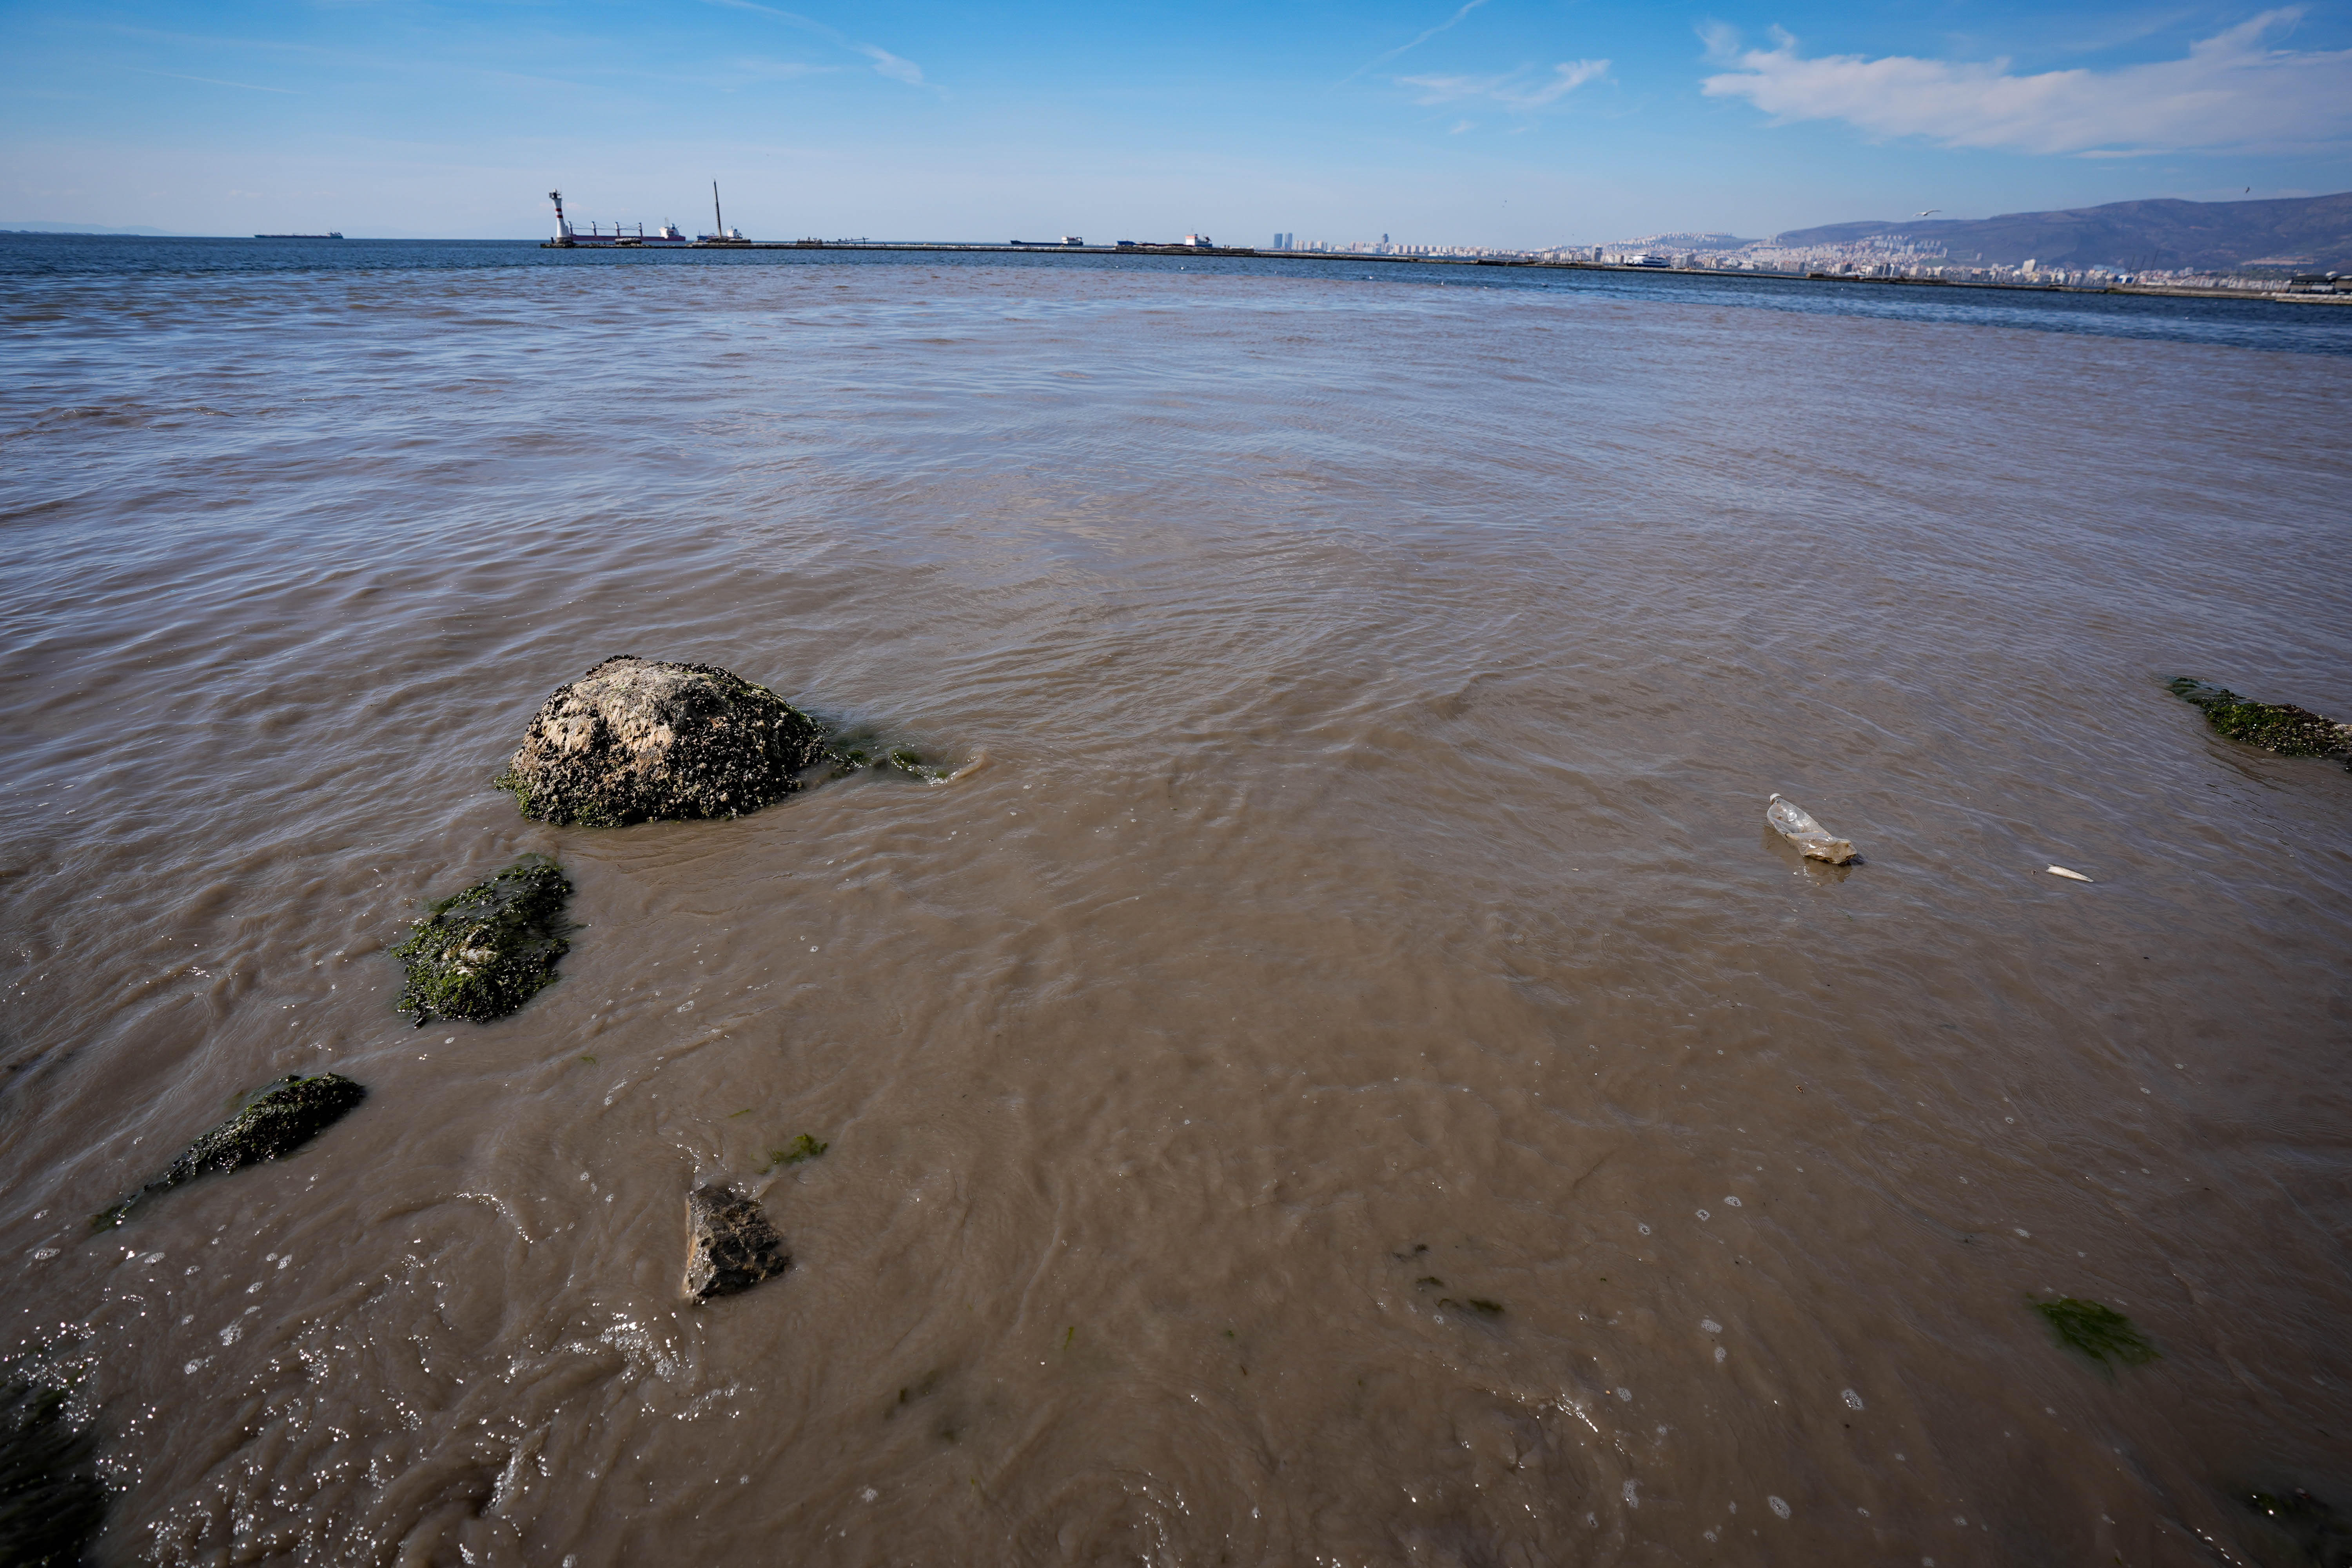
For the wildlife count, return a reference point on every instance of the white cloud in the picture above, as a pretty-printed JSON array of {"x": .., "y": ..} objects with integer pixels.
[
  {"x": 891, "y": 66},
  {"x": 1514, "y": 89},
  {"x": 884, "y": 62},
  {"x": 2232, "y": 91}
]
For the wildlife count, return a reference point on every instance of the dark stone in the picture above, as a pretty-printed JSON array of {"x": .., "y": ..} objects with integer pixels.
[
  {"x": 481, "y": 953},
  {"x": 733, "y": 1246},
  {"x": 51, "y": 1501},
  {"x": 274, "y": 1123},
  {"x": 2280, "y": 727},
  {"x": 636, "y": 739}
]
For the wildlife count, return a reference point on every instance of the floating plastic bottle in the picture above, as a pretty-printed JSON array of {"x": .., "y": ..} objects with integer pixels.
[{"x": 1796, "y": 825}]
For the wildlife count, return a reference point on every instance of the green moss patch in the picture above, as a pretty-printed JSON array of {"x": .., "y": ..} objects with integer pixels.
[
  {"x": 274, "y": 1123},
  {"x": 807, "y": 1146},
  {"x": 2098, "y": 1330},
  {"x": 481, "y": 953},
  {"x": 2278, "y": 727},
  {"x": 51, "y": 1501},
  {"x": 854, "y": 749}
]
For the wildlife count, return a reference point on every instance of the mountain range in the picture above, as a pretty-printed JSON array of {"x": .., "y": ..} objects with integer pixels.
[{"x": 2293, "y": 233}]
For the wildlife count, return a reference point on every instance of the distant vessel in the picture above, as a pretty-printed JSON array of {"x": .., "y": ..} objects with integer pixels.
[
  {"x": 629, "y": 236},
  {"x": 723, "y": 235},
  {"x": 298, "y": 237}
]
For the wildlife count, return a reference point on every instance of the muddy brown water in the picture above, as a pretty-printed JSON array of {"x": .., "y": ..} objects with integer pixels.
[{"x": 1346, "y": 1076}]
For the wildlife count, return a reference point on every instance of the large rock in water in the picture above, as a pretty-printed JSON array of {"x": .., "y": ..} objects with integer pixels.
[
  {"x": 734, "y": 1246},
  {"x": 637, "y": 739}
]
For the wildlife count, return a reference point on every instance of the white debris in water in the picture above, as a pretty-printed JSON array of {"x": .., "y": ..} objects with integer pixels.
[
  {"x": 868, "y": 1495},
  {"x": 1853, "y": 1400},
  {"x": 1720, "y": 1353},
  {"x": 1777, "y": 1506},
  {"x": 1710, "y": 1325},
  {"x": 1702, "y": 1214},
  {"x": 229, "y": 1336},
  {"x": 1632, "y": 1500},
  {"x": 1731, "y": 1203}
]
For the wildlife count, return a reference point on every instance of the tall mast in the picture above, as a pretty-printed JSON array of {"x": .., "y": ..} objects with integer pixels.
[{"x": 718, "y": 224}]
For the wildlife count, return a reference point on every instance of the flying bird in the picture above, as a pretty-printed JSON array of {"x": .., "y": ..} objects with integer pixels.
[{"x": 1931, "y": 212}]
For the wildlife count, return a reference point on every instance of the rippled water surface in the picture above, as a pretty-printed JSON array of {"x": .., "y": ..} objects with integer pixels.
[{"x": 1345, "y": 1076}]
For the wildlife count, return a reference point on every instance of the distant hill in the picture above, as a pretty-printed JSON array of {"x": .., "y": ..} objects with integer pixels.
[
  {"x": 2302, "y": 233},
  {"x": 28, "y": 227}
]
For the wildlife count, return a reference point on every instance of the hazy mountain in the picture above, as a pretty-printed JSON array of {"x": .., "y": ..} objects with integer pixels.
[
  {"x": 2304, "y": 233},
  {"x": 73, "y": 228}
]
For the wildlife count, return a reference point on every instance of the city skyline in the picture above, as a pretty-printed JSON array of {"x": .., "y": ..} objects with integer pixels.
[{"x": 1488, "y": 123}]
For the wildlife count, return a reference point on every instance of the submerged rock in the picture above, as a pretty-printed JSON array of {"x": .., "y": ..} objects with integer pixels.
[
  {"x": 274, "y": 1123},
  {"x": 733, "y": 1246},
  {"x": 2280, "y": 727},
  {"x": 51, "y": 1501},
  {"x": 481, "y": 953},
  {"x": 2097, "y": 1329},
  {"x": 637, "y": 739},
  {"x": 2324, "y": 1534}
]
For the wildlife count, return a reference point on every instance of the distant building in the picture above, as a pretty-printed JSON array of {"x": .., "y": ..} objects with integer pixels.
[{"x": 1199, "y": 241}]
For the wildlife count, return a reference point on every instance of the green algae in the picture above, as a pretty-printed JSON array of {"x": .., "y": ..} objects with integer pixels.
[
  {"x": 2096, "y": 1330},
  {"x": 51, "y": 1501},
  {"x": 275, "y": 1123},
  {"x": 483, "y": 953},
  {"x": 2279, "y": 727},
  {"x": 858, "y": 747},
  {"x": 807, "y": 1146}
]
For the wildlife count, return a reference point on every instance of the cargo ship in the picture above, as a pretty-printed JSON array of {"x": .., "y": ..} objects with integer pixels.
[
  {"x": 633, "y": 236},
  {"x": 627, "y": 235}
]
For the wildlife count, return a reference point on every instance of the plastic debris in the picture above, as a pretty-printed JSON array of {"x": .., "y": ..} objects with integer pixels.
[
  {"x": 2070, "y": 875},
  {"x": 1797, "y": 826}
]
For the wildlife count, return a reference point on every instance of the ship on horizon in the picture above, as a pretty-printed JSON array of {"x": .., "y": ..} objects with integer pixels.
[{"x": 633, "y": 236}]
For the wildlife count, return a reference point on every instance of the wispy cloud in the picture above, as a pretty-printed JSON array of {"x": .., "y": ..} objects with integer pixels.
[
  {"x": 2232, "y": 91},
  {"x": 895, "y": 68},
  {"x": 1523, "y": 90},
  {"x": 1415, "y": 42},
  {"x": 216, "y": 81}
]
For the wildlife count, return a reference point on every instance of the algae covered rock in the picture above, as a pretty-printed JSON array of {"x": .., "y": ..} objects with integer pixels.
[
  {"x": 481, "y": 953},
  {"x": 274, "y": 1123},
  {"x": 733, "y": 1246},
  {"x": 637, "y": 739},
  {"x": 51, "y": 1501},
  {"x": 2280, "y": 727}
]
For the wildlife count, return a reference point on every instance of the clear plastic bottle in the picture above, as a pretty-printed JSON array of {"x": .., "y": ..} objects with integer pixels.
[{"x": 1796, "y": 825}]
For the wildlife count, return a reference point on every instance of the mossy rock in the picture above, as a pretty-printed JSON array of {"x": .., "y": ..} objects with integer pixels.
[
  {"x": 273, "y": 1124},
  {"x": 2278, "y": 727},
  {"x": 636, "y": 739},
  {"x": 51, "y": 1501},
  {"x": 481, "y": 953}
]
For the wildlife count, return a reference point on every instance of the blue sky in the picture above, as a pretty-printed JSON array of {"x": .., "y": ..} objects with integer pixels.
[{"x": 1518, "y": 122}]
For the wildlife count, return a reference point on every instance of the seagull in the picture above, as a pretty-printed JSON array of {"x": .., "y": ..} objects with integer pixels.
[{"x": 1931, "y": 212}]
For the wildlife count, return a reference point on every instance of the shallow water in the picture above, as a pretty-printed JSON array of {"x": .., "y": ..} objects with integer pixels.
[{"x": 1358, "y": 908}]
